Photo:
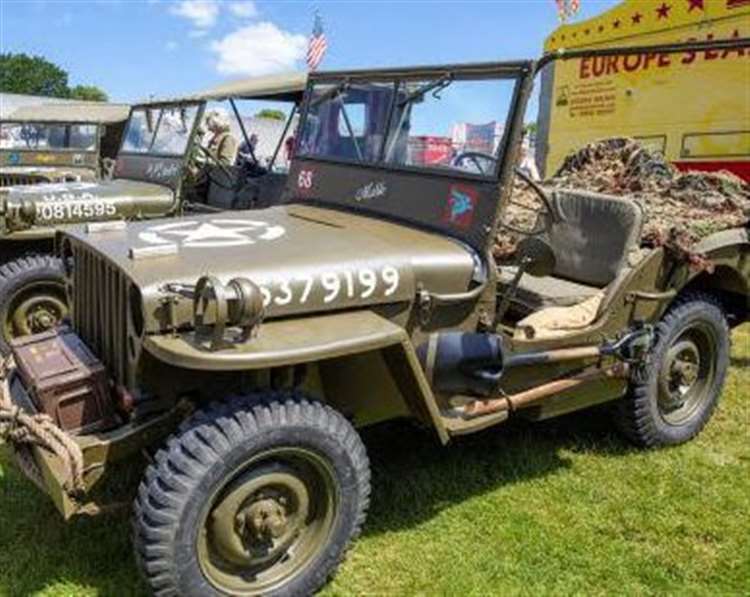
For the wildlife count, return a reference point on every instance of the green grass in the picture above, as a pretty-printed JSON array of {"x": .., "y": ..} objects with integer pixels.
[{"x": 556, "y": 508}]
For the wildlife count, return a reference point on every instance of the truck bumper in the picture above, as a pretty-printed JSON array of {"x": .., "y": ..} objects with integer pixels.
[
  {"x": 43, "y": 468},
  {"x": 49, "y": 472}
]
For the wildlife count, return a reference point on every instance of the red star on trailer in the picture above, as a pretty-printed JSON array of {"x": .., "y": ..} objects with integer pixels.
[
  {"x": 636, "y": 18},
  {"x": 663, "y": 11},
  {"x": 697, "y": 5}
]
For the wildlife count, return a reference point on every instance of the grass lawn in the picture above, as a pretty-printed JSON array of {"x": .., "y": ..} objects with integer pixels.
[{"x": 555, "y": 508}]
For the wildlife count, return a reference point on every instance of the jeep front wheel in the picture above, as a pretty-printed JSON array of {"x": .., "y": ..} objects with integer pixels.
[
  {"x": 681, "y": 385},
  {"x": 256, "y": 495},
  {"x": 32, "y": 297}
]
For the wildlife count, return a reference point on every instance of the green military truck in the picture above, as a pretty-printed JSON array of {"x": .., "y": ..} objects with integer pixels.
[
  {"x": 149, "y": 179},
  {"x": 57, "y": 143},
  {"x": 245, "y": 349}
]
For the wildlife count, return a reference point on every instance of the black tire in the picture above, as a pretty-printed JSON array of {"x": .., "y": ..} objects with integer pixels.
[
  {"x": 22, "y": 277},
  {"x": 200, "y": 465},
  {"x": 651, "y": 414}
]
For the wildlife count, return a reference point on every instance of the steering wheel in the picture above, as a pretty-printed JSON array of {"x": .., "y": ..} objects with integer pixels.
[
  {"x": 549, "y": 207},
  {"x": 211, "y": 157},
  {"x": 474, "y": 157},
  {"x": 227, "y": 172}
]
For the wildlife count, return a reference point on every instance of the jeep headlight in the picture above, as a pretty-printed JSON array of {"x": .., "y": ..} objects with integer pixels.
[
  {"x": 216, "y": 307},
  {"x": 18, "y": 214}
]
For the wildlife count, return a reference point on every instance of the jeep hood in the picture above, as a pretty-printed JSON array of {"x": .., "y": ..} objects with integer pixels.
[
  {"x": 53, "y": 204},
  {"x": 304, "y": 259}
]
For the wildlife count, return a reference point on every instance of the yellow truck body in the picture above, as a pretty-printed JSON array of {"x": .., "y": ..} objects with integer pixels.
[{"x": 694, "y": 107}]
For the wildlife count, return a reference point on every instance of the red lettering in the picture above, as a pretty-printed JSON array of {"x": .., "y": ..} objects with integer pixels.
[
  {"x": 740, "y": 51},
  {"x": 664, "y": 60},
  {"x": 599, "y": 63},
  {"x": 611, "y": 65},
  {"x": 649, "y": 58},
  {"x": 585, "y": 71},
  {"x": 689, "y": 56},
  {"x": 630, "y": 65},
  {"x": 711, "y": 54}
]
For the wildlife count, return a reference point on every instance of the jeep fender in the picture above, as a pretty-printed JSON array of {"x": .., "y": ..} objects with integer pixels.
[
  {"x": 375, "y": 355},
  {"x": 729, "y": 254}
]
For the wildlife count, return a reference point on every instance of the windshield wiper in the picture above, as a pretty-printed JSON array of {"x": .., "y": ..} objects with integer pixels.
[
  {"x": 330, "y": 94},
  {"x": 435, "y": 86}
]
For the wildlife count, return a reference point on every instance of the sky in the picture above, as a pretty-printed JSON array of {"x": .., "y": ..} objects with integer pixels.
[{"x": 134, "y": 49}]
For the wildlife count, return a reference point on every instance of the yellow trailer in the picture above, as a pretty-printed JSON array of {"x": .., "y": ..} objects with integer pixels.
[{"x": 694, "y": 107}]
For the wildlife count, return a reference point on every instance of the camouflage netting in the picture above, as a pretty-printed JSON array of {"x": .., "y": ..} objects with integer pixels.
[{"x": 681, "y": 207}]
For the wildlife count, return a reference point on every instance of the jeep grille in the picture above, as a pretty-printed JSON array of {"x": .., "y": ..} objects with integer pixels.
[
  {"x": 12, "y": 180},
  {"x": 100, "y": 311}
]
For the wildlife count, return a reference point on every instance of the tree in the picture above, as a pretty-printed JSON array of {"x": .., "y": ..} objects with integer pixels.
[
  {"x": 272, "y": 114},
  {"x": 32, "y": 75},
  {"x": 89, "y": 93}
]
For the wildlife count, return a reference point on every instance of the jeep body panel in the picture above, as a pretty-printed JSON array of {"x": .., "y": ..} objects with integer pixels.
[
  {"x": 374, "y": 261},
  {"x": 40, "y": 208}
]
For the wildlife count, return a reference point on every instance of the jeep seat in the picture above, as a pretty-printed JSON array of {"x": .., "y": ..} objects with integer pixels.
[{"x": 592, "y": 244}]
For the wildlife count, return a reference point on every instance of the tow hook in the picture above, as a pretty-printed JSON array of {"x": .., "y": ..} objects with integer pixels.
[{"x": 634, "y": 347}]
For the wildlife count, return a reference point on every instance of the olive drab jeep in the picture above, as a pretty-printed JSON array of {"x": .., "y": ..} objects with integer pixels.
[
  {"x": 161, "y": 169},
  {"x": 56, "y": 143},
  {"x": 245, "y": 349}
]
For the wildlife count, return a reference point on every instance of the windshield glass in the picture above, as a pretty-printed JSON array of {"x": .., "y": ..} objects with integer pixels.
[
  {"x": 347, "y": 121},
  {"x": 160, "y": 131},
  {"x": 48, "y": 137},
  {"x": 444, "y": 123}
]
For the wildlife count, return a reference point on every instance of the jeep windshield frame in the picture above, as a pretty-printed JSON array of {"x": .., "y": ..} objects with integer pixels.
[
  {"x": 67, "y": 131},
  {"x": 159, "y": 109},
  {"x": 430, "y": 80},
  {"x": 443, "y": 198}
]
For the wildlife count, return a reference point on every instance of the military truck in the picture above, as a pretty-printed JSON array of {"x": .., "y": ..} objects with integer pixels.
[
  {"x": 244, "y": 350},
  {"x": 150, "y": 179},
  {"x": 54, "y": 143}
]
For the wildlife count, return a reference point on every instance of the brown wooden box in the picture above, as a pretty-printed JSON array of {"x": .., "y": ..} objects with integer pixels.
[{"x": 65, "y": 380}]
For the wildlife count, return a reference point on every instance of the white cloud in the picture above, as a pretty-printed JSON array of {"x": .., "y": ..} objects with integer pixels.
[
  {"x": 171, "y": 46},
  {"x": 202, "y": 13},
  {"x": 258, "y": 49},
  {"x": 243, "y": 10}
]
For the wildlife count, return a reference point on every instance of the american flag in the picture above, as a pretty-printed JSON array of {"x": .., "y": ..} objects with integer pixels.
[
  {"x": 318, "y": 45},
  {"x": 567, "y": 9}
]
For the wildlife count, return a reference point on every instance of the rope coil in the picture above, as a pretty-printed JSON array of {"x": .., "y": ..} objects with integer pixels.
[{"x": 23, "y": 430}]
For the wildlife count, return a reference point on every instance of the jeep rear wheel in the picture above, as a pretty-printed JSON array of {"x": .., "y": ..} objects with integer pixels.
[
  {"x": 257, "y": 495},
  {"x": 32, "y": 297},
  {"x": 681, "y": 385}
]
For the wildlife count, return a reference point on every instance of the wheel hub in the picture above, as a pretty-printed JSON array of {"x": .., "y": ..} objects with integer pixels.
[
  {"x": 260, "y": 517},
  {"x": 264, "y": 520},
  {"x": 37, "y": 313},
  {"x": 266, "y": 524},
  {"x": 680, "y": 373},
  {"x": 686, "y": 374}
]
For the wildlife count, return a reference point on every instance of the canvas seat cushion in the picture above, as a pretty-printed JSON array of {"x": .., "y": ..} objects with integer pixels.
[
  {"x": 539, "y": 293},
  {"x": 595, "y": 237}
]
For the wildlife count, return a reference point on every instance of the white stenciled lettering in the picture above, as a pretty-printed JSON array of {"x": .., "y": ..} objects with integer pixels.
[{"x": 332, "y": 285}]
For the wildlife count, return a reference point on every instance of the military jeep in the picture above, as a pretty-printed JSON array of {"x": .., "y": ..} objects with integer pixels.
[
  {"x": 245, "y": 349},
  {"x": 151, "y": 178},
  {"x": 54, "y": 143}
]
